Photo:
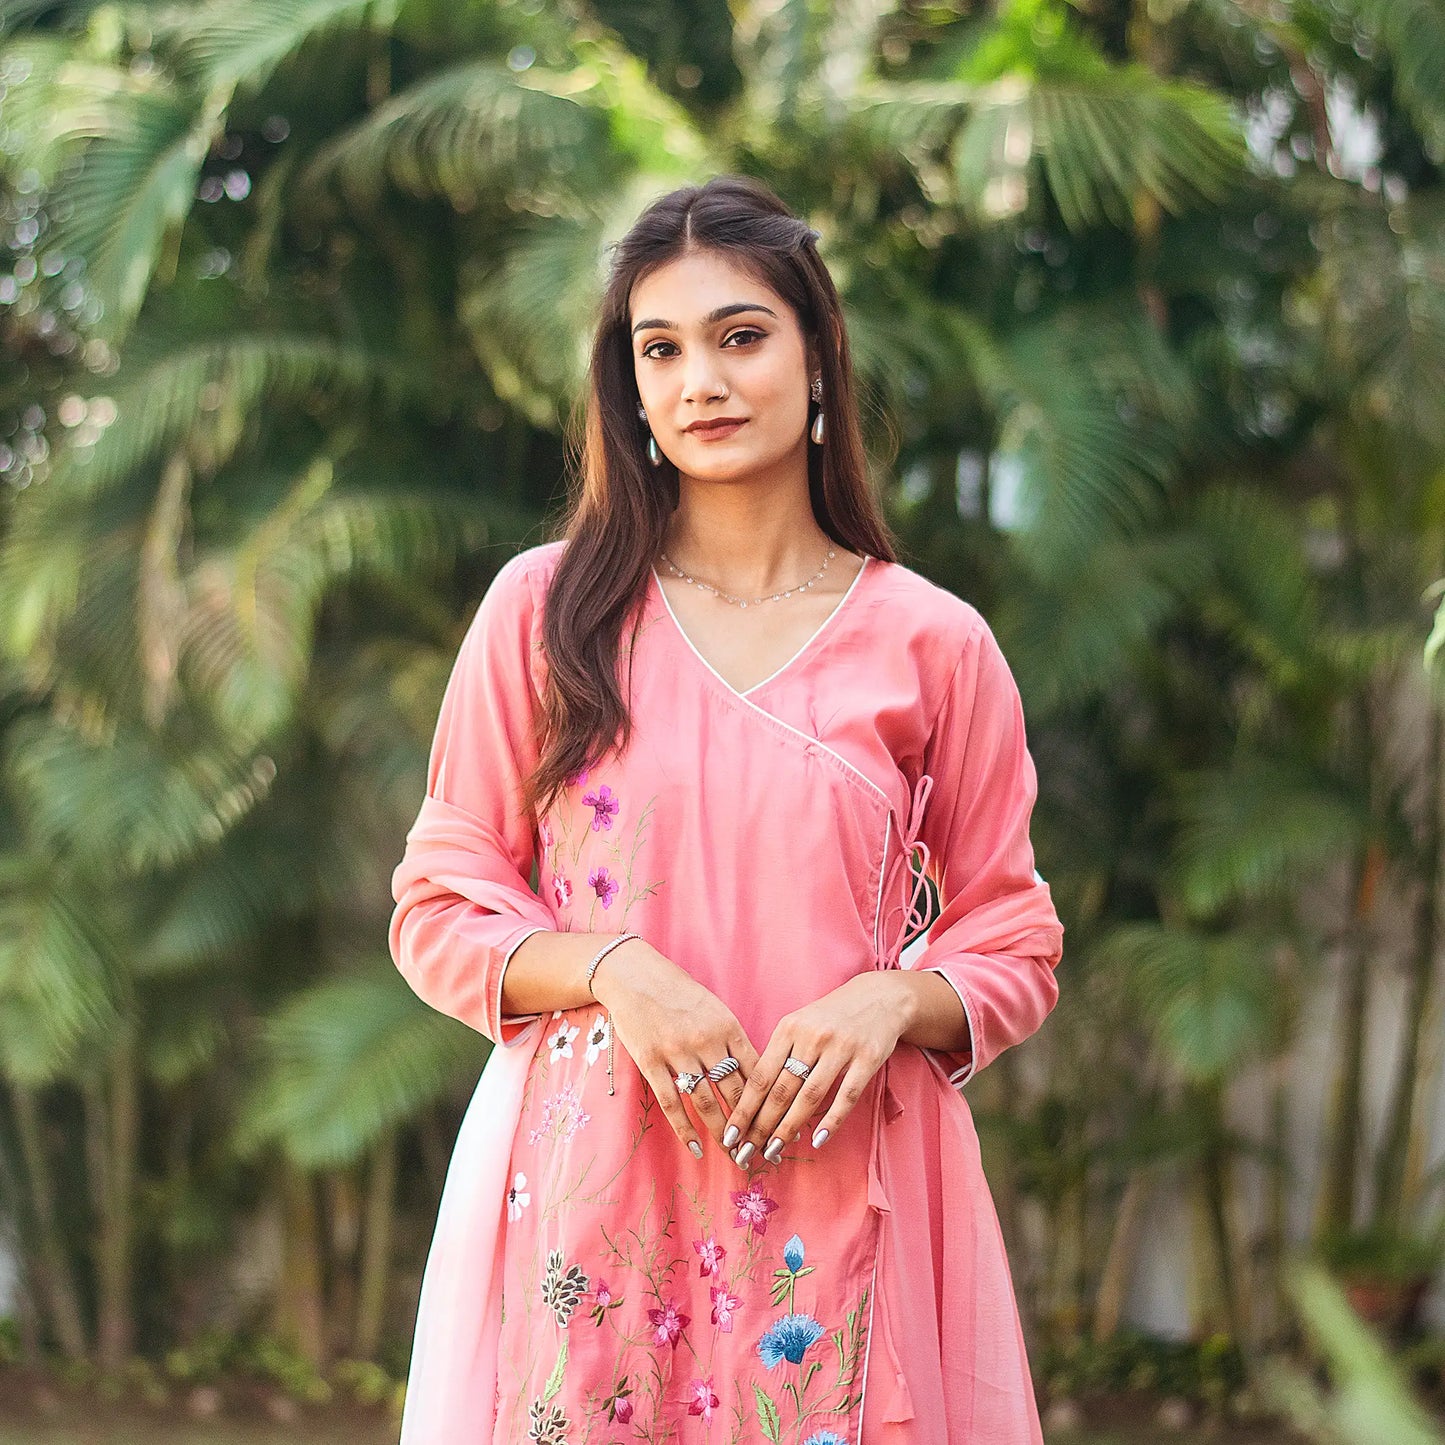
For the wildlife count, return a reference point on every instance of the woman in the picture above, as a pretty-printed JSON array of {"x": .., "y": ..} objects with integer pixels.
[{"x": 718, "y": 1181}]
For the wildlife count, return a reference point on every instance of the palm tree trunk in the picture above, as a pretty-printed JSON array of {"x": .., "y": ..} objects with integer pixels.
[
  {"x": 376, "y": 1248},
  {"x": 113, "y": 1125},
  {"x": 1391, "y": 1205},
  {"x": 1119, "y": 1259},
  {"x": 300, "y": 1304},
  {"x": 1336, "y": 1209},
  {"x": 56, "y": 1282}
]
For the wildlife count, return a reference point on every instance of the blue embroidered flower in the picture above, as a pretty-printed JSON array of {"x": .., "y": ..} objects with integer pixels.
[
  {"x": 793, "y": 1254},
  {"x": 788, "y": 1338},
  {"x": 825, "y": 1437}
]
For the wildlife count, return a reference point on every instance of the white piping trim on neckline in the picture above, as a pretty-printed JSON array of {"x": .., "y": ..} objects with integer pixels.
[{"x": 772, "y": 716}]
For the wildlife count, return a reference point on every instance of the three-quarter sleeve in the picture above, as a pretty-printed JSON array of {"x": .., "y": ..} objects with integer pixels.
[
  {"x": 997, "y": 939},
  {"x": 462, "y": 889}
]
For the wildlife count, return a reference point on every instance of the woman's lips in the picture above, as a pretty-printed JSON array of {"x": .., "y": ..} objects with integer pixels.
[{"x": 716, "y": 433}]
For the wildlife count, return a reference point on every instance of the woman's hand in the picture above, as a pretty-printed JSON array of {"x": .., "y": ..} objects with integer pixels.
[
  {"x": 670, "y": 1024},
  {"x": 846, "y": 1036}
]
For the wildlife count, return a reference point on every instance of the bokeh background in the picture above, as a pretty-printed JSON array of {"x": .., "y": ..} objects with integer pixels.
[{"x": 1147, "y": 299}]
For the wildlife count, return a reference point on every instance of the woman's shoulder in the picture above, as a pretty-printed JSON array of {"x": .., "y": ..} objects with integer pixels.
[{"x": 919, "y": 613}]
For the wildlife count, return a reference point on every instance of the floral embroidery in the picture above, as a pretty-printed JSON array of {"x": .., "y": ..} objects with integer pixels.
[
  {"x": 785, "y": 1280},
  {"x": 825, "y": 1437},
  {"x": 604, "y": 803},
  {"x": 789, "y": 1337},
  {"x": 561, "y": 889},
  {"x": 603, "y": 884},
  {"x": 548, "y": 1424},
  {"x": 723, "y": 1305},
  {"x": 670, "y": 1323},
  {"x": 619, "y": 1408},
  {"x": 753, "y": 1207},
  {"x": 712, "y": 1255},
  {"x": 597, "y": 1037},
  {"x": 516, "y": 1200},
  {"x": 704, "y": 1400},
  {"x": 562, "y": 1293},
  {"x": 561, "y": 1041},
  {"x": 604, "y": 1302},
  {"x": 544, "y": 832},
  {"x": 562, "y": 1117}
]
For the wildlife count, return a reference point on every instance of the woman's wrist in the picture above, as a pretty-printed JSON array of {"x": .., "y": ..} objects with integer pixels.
[
  {"x": 932, "y": 1013},
  {"x": 614, "y": 967}
]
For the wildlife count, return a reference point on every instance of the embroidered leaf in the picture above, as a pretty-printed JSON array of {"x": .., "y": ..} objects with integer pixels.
[
  {"x": 811, "y": 1371},
  {"x": 554, "y": 1380},
  {"x": 767, "y": 1414}
]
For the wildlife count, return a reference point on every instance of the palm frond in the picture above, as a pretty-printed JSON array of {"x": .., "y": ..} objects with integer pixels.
[
  {"x": 1211, "y": 999},
  {"x": 1255, "y": 828},
  {"x": 347, "y": 1060}
]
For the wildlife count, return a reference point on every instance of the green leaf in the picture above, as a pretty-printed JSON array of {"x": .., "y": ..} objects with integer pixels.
[
  {"x": 768, "y": 1419},
  {"x": 554, "y": 1380}
]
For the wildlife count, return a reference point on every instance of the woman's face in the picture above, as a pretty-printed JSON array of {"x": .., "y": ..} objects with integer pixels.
[{"x": 694, "y": 365}]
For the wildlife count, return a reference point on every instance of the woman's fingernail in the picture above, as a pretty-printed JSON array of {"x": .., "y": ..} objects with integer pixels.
[
  {"x": 818, "y": 1137},
  {"x": 744, "y": 1154},
  {"x": 774, "y": 1151},
  {"x": 730, "y": 1136},
  {"x": 695, "y": 1147}
]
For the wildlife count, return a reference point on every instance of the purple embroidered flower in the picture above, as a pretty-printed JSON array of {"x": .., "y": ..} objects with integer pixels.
[
  {"x": 753, "y": 1207},
  {"x": 604, "y": 1300},
  {"x": 622, "y": 1409},
  {"x": 597, "y": 1035},
  {"x": 561, "y": 889},
  {"x": 724, "y": 1303},
  {"x": 604, "y": 804},
  {"x": 793, "y": 1254},
  {"x": 788, "y": 1338},
  {"x": 704, "y": 1400},
  {"x": 669, "y": 1324},
  {"x": 825, "y": 1437},
  {"x": 605, "y": 885},
  {"x": 562, "y": 1116},
  {"x": 712, "y": 1254},
  {"x": 602, "y": 1294}
]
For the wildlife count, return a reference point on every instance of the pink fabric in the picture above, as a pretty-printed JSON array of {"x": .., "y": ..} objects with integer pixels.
[{"x": 761, "y": 841}]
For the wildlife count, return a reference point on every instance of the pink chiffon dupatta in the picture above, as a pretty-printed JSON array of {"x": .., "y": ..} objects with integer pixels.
[{"x": 452, "y": 1383}]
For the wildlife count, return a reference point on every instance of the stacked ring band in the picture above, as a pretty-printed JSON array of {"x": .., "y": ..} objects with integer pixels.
[
  {"x": 686, "y": 1083},
  {"x": 796, "y": 1066},
  {"x": 723, "y": 1068}
]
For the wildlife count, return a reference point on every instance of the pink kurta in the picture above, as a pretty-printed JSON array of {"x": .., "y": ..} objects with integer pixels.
[{"x": 590, "y": 1281}]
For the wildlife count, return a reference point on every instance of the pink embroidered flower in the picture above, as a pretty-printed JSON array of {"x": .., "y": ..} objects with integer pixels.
[
  {"x": 604, "y": 804},
  {"x": 622, "y": 1408},
  {"x": 544, "y": 832},
  {"x": 602, "y": 1294},
  {"x": 605, "y": 885},
  {"x": 517, "y": 1197},
  {"x": 704, "y": 1400},
  {"x": 712, "y": 1254},
  {"x": 562, "y": 1116},
  {"x": 669, "y": 1323},
  {"x": 723, "y": 1304},
  {"x": 561, "y": 889},
  {"x": 753, "y": 1207}
]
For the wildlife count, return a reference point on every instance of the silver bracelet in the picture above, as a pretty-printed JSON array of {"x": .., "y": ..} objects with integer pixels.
[{"x": 591, "y": 969}]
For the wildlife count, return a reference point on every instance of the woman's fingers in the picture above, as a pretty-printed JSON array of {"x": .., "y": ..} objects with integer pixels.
[
  {"x": 850, "y": 1089},
  {"x": 664, "y": 1085}
]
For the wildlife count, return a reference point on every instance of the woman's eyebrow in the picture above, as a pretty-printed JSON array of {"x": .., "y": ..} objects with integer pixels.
[{"x": 712, "y": 316}]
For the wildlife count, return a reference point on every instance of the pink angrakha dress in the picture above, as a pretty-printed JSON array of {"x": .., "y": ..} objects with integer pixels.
[{"x": 589, "y": 1280}]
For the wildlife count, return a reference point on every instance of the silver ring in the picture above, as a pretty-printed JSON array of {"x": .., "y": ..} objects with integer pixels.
[
  {"x": 686, "y": 1083},
  {"x": 796, "y": 1066},
  {"x": 723, "y": 1068}
]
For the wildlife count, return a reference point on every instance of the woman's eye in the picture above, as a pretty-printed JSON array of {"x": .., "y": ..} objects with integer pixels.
[{"x": 751, "y": 333}]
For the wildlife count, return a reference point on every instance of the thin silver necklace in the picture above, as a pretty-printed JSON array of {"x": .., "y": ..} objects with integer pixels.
[{"x": 741, "y": 601}]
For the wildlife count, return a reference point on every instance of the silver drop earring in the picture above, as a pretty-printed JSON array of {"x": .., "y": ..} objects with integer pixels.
[
  {"x": 653, "y": 455},
  {"x": 817, "y": 393}
]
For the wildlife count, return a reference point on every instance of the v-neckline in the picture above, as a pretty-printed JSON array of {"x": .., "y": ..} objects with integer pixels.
[{"x": 797, "y": 656}]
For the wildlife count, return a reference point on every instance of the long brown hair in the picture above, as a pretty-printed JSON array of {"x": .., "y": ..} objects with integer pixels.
[{"x": 619, "y": 504}]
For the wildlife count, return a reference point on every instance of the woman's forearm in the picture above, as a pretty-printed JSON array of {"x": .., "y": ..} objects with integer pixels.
[
  {"x": 548, "y": 970},
  {"x": 934, "y": 1013}
]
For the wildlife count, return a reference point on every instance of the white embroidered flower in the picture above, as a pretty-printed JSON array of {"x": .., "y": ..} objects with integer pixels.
[
  {"x": 561, "y": 1042},
  {"x": 597, "y": 1036},
  {"x": 517, "y": 1201}
]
